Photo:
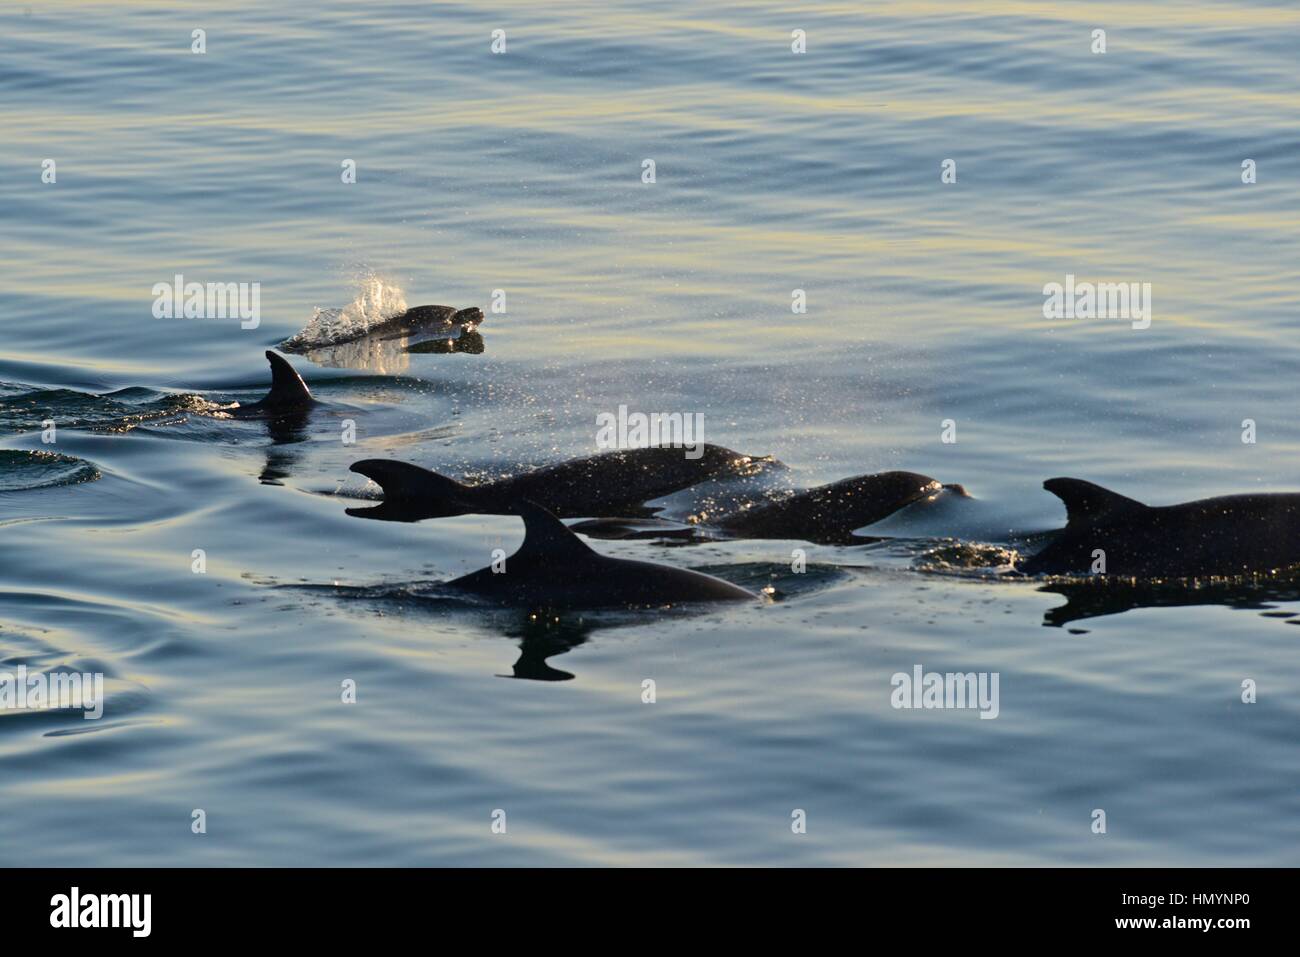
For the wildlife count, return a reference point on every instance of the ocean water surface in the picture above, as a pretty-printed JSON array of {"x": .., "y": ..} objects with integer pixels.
[{"x": 516, "y": 178}]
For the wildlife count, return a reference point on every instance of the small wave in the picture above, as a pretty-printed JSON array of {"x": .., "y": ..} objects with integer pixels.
[
  {"x": 377, "y": 300},
  {"x": 22, "y": 471},
  {"x": 28, "y": 409}
]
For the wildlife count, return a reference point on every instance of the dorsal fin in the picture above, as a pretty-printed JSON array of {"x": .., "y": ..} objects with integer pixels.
[
  {"x": 1085, "y": 501},
  {"x": 287, "y": 388},
  {"x": 404, "y": 482},
  {"x": 546, "y": 539}
]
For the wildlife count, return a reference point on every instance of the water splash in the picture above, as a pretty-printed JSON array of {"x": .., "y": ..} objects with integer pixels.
[
  {"x": 975, "y": 559},
  {"x": 377, "y": 299}
]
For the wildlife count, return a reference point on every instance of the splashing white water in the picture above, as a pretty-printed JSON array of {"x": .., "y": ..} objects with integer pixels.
[{"x": 377, "y": 299}]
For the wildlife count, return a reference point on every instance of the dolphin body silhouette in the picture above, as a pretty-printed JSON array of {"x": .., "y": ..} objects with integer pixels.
[
  {"x": 418, "y": 316},
  {"x": 554, "y": 568},
  {"x": 417, "y": 319},
  {"x": 420, "y": 319},
  {"x": 289, "y": 395},
  {"x": 1227, "y": 536},
  {"x": 609, "y": 483},
  {"x": 828, "y": 514}
]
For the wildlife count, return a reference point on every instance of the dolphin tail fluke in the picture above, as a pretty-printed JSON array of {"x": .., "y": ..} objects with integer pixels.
[
  {"x": 471, "y": 316},
  {"x": 288, "y": 391},
  {"x": 413, "y": 492},
  {"x": 1085, "y": 501}
]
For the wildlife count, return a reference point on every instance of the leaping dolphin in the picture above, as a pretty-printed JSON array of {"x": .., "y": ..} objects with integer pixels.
[
  {"x": 1228, "y": 536},
  {"x": 611, "y": 483},
  {"x": 553, "y": 568},
  {"x": 289, "y": 395},
  {"x": 417, "y": 319}
]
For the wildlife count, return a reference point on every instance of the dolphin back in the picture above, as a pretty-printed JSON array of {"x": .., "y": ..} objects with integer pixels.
[
  {"x": 288, "y": 391},
  {"x": 555, "y": 568},
  {"x": 412, "y": 493},
  {"x": 830, "y": 513},
  {"x": 547, "y": 539},
  {"x": 1087, "y": 501},
  {"x": 1112, "y": 536}
]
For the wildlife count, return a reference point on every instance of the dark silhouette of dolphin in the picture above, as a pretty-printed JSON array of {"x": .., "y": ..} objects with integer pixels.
[
  {"x": 289, "y": 395},
  {"x": 617, "y": 482},
  {"x": 828, "y": 514},
  {"x": 421, "y": 316},
  {"x": 417, "y": 319},
  {"x": 554, "y": 568},
  {"x": 1228, "y": 536}
]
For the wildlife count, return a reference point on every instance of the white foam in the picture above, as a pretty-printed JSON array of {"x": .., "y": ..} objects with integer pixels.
[{"x": 377, "y": 300}]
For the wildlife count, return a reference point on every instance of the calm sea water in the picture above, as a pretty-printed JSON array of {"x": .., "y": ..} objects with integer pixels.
[{"x": 522, "y": 172}]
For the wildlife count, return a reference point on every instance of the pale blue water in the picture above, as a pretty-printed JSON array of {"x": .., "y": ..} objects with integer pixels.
[{"x": 522, "y": 172}]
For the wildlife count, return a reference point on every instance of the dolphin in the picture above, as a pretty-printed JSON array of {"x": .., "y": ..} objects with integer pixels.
[
  {"x": 420, "y": 319},
  {"x": 554, "y": 568},
  {"x": 828, "y": 514},
  {"x": 1228, "y": 536},
  {"x": 417, "y": 319},
  {"x": 289, "y": 395},
  {"x": 610, "y": 483}
]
